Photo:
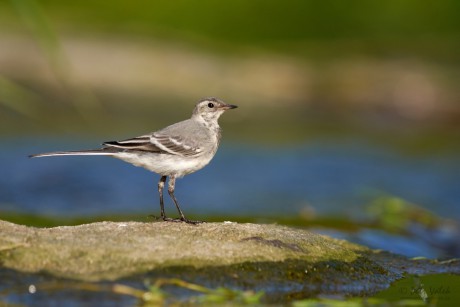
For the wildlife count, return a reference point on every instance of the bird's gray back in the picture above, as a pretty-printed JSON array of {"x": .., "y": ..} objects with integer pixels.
[{"x": 192, "y": 133}]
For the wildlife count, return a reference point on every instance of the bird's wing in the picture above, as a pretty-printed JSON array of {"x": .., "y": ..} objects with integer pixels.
[
  {"x": 176, "y": 145},
  {"x": 158, "y": 143},
  {"x": 141, "y": 143}
]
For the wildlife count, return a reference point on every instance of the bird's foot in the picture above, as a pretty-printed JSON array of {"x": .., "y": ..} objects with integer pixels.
[
  {"x": 191, "y": 221},
  {"x": 182, "y": 219}
]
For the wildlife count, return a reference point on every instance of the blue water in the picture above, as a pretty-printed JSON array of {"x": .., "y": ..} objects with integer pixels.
[{"x": 328, "y": 177}]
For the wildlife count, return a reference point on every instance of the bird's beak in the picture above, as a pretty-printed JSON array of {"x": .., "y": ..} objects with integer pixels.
[{"x": 228, "y": 106}]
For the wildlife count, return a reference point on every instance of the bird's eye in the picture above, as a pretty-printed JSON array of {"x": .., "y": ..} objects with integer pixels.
[{"x": 210, "y": 105}]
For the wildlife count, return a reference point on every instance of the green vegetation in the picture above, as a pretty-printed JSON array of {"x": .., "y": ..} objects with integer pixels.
[
  {"x": 385, "y": 71},
  {"x": 154, "y": 295},
  {"x": 412, "y": 290},
  {"x": 366, "y": 27}
]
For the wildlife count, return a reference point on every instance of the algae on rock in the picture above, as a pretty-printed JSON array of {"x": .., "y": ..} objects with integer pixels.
[
  {"x": 108, "y": 250},
  {"x": 246, "y": 256}
]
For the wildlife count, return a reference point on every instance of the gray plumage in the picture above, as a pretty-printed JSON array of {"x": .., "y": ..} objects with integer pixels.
[{"x": 173, "y": 152}]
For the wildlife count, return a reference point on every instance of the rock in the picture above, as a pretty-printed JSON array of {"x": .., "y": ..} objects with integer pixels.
[
  {"x": 109, "y": 250},
  {"x": 240, "y": 255}
]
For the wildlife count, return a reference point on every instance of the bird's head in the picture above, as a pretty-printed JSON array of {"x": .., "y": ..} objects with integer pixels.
[{"x": 211, "y": 108}]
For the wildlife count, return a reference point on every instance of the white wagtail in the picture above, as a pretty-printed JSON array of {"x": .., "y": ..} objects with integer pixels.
[{"x": 174, "y": 151}]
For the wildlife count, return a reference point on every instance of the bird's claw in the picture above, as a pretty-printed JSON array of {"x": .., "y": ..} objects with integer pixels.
[{"x": 182, "y": 219}]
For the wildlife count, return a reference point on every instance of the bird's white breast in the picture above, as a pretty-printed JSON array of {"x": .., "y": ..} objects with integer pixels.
[{"x": 166, "y": 164}]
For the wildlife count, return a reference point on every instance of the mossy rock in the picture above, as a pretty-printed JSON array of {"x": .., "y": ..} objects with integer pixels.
[{"x": 251, "y": 256}]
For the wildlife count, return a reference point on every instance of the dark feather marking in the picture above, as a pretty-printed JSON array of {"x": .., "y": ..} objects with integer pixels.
[
  {"x": 166, "y": 142},
  {"x": 146, "y": 146}
]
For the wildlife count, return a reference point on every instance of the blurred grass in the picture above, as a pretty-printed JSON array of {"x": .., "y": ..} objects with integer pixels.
[
  {"x": 367, "y": 27},
  {"x": 35, "y": 19},
  {"x": 324, "y": 31},
  {"x": 18, "y": 98},
  {"x": 411, "y": 290},
  {"x": 272, "y": 126}
]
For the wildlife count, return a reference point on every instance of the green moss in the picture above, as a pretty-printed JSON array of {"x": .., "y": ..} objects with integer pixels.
[{"x": 289, "y": 262}]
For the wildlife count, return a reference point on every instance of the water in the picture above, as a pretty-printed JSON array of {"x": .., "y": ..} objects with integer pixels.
[
  {"x": 331, "y": 178},
  {"x": 439, "y": 289}
]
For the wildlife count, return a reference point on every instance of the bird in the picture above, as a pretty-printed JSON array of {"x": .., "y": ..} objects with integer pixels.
[{"x": 174, "y": 151}]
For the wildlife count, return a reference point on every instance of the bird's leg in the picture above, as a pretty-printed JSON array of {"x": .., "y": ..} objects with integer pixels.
[
  {"x": 171, "y": 185},
  {"x": 161, "y": 185}
]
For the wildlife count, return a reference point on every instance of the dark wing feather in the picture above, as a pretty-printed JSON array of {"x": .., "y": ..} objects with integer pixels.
[
  {"x": 176, "y": 145},
  {"x": 141, "y": 143},
  {"x": 157, "y": 143}
]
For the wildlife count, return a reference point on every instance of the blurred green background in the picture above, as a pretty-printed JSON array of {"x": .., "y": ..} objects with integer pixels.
[
  {"x": 343, "y": 105},
  {"x": 300, "y": 69}
]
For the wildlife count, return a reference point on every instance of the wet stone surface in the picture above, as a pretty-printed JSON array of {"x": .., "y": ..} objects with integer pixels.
[{"x": 286, "y": 263}]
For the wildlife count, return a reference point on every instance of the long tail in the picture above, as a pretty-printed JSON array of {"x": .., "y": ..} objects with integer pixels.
[{"x": 92, "y": 152}]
